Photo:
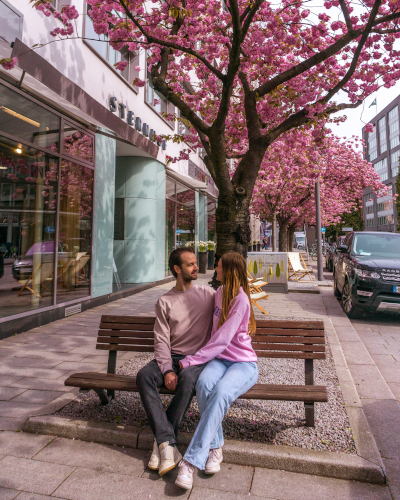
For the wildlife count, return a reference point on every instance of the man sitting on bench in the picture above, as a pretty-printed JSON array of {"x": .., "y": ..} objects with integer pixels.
[{"x": 182, "y": 327}]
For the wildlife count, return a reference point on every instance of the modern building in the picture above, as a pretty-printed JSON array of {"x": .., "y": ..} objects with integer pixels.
[
  {"x": 383, "y": 151},
  {"x": 86, "y": 191}
]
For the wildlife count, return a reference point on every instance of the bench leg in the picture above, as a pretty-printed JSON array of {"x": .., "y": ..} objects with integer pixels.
[
  {"x": 309, "y": 408},
  {"x": 103, "y": 396}
]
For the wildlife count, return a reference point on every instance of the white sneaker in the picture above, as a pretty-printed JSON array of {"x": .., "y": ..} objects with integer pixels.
[
  {"x": 155, "y": 459},
  {"x": 213, "y": 461},
  {"x": 169, "y": 457},
  {"x": 185, "y": 475}
]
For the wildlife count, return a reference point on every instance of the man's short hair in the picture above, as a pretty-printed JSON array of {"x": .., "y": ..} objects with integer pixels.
[{"x": 175, "y": 259}]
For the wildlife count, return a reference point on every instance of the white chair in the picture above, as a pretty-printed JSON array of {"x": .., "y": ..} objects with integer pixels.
[{"x": 298, "y": 268}]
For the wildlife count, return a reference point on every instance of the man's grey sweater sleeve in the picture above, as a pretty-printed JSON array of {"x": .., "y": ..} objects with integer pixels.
[{"x": 162, "y": 339}]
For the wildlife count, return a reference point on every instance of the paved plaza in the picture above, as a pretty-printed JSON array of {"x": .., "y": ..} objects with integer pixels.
[{"x": 35, "y": 364}]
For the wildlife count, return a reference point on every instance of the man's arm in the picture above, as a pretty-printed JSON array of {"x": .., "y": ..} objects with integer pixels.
[{"x": 162, "y": 347}]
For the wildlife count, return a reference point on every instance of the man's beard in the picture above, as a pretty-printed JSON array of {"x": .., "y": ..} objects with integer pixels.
[{"x": 188, "y": 277}]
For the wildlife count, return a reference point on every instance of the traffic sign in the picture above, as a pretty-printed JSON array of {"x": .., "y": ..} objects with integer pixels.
[
  {"x": 50, "y": 229},
  {"x": 323, "y": 229}
]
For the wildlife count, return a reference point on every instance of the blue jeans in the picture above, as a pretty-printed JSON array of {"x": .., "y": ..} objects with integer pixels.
[{"x": 219, "y": 385}]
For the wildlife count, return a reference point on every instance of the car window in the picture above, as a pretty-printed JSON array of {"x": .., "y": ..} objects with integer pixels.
[{"x": 377, "y": 245}]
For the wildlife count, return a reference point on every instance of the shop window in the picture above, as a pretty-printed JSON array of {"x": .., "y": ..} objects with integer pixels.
[
  {"x": 78, "y": 144},
  {"x": 11, "y": 26},
  {"x": 75, "y": 231},
  {"x": 370, "y": 222},
  {"x": 28, "y": 185},
  {"x": 170, "y": 230},
  {"x": 170, "y": 188},
  {"x": 28, "y": 121},
  {"x": 211, "y": 208}
]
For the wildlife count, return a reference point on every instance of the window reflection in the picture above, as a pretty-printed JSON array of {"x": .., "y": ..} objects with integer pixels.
[
  {"x": 170, "y": 229},
  {"x": 75, "y": 231},
  {"x": 28, "y": 121},
  {"x": 28, "y": 183},
  {"x": 77, "y": 143}
]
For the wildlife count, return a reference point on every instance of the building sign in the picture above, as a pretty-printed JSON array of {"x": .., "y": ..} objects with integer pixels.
[
  {"x": 347, "y": 229},
  {"x": 196, "y": 173}
]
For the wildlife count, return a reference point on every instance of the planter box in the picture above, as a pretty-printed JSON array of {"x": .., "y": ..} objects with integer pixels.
[{"x": 271, "y": 267}]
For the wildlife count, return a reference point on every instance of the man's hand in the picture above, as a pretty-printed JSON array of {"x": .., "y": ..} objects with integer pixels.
[{"x": 170, "y": 380}]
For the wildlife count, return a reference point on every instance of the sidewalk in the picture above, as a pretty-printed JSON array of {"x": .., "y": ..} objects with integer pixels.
[{"x": 36, "y": 363}]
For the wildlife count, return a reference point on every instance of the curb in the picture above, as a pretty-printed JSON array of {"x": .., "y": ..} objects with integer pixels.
[{"x": 319, "y": 463}]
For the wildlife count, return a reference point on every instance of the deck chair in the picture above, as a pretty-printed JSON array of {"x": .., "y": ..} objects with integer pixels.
[
  {"x": 297, "y": 268},
  {"x": 46, "y": 270},
  {"x": 77, "y": 267},
  {"x": 60, "y": 273},
  {"x": 255, "y": 297}
]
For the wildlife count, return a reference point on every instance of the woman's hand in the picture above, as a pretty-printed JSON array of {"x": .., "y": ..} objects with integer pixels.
[{"x": 180, "y": 365}]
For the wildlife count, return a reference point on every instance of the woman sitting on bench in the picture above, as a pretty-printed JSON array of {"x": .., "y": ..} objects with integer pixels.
[{"x": 231, "y": 370}]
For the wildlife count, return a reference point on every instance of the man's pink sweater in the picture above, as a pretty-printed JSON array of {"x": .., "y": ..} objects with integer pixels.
[{"x": 232, "y": 341}]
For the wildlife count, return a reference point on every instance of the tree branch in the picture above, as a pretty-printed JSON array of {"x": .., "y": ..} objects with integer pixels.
[
  {"x": 346, "y": 14},
  {"x": 253, "y": 11}
]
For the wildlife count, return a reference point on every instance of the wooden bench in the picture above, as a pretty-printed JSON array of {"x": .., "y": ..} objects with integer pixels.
[{"x": 273, "y": 339}]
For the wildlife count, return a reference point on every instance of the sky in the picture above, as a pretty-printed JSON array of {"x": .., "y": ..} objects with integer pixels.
[{"x": 357, "y": 118}]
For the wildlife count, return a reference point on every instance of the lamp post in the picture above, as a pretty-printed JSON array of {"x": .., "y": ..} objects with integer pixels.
[{"x": 318, "y": 228}]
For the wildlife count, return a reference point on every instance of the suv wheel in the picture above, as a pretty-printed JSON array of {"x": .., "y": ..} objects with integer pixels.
[
  {"x": 336, "y": 291},
  {"x": 347, "y": 304}
]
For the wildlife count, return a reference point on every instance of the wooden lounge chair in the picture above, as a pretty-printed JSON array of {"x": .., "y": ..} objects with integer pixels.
[
  {"x": 46, "y": 270},
  {"x": 297, "y": 268},
  {"x": 77, "y": 267},
  {"x": 256, "y": 292}
]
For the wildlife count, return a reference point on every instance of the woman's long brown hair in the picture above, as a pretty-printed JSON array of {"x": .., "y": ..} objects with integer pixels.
[{"x": 234, "y": 277}]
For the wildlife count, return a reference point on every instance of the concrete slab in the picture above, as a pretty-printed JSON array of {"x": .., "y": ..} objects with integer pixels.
[
  {"x": 21, "y": 444},
  {"x": 30, "y": 475},
  {"x": 32, "y": 372},
  {"x": 234, "y": 478},
  {"x": 369, "y": 382},
  {"x": 290, "y": 486},
  {"x": 356, "y": 353},
  {"x": 38, "y": 397},
  {"x": 86, "y": 484},
  {"x": 6, "y": 380},
  {"x": 393, "y": 471},
  {"x": 7, "y": 494},
  {"x": 7, "y": 393},
  {"x": 41, "y": 384},
  {"x": 199, "y": 493},
  {"x": 18, "y": 410},
  {"x": 95, "y": 456},
  {"x": 12, "y": 423},
  {"x": 34, "y": 496}
]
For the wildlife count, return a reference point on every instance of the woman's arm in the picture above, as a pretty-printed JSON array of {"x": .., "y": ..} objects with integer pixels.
[{"x": 223, "y": 336}]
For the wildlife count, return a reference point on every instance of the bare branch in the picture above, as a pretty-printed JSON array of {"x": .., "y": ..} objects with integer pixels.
[
  {"x": 249, "y": 19},
  {"x": 346, "y": 14}
]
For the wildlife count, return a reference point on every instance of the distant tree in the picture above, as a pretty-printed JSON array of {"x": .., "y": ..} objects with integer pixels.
[{"x": 353, "y": 219}]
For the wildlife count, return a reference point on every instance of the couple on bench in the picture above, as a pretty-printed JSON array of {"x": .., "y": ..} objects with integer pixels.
[{"x": 202, "y": 346}]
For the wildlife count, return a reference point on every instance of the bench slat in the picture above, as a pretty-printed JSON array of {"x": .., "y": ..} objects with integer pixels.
[
  {"x": 116, "y": 347},
  {"x": 307, "y": 325},
  {"x": 128, "y": 319},
  {"x": 287, "y": 340},
  {"x": 127, "y": 326},
  {"x": 293, "y": 355},
  {"x": 119, "y": 341},
  {"x": 287, "y": 347},
  {"x": 91, "y": 380},
  {"x": 125, "y": 334},
  {"x": 290, "y": 332}
]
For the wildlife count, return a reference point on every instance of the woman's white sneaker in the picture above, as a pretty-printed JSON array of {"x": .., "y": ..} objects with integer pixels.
[
  {"x": 155, "y": 459},
  {"x": 213, "y": 461},
  {"x": 185, "y": 475}
]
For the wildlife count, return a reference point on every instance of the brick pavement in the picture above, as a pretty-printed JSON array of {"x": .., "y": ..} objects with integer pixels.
[{"x": 33, "y": 467}]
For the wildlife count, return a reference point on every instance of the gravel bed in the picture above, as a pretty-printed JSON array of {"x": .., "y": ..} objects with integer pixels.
[{"x": 272, "y": 422}]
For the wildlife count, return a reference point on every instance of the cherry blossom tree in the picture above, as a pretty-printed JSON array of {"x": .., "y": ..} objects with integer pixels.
[
  {"x": 244, "y": 72},
  {"x": 289, "y": 171}
]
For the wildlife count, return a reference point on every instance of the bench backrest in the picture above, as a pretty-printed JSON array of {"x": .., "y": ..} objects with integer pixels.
[{"x": 273, "y": 339}]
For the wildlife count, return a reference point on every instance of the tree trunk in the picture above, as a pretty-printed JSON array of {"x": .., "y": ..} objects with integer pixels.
[
  {"x": 232, "y": 219},
  {"x": 273, "y": 232},
  {"x": 290, "y": 238},
  {"x": 283, "y": 236}
]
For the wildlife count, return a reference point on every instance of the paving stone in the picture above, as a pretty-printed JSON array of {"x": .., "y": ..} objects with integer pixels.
[
  {"x": 31, "y": 475},
  {"x": 36, "y": 397},
  {"x": 346, "y": 334},
  {"x": 18, "y": 410},
  {"x": 41, "y": 384},
  {"x": 7, "y": 393},
  {"x": 235, "y": 478},
  {"x": 356, "y": 353},
  {"x": 369, "y": 382},
  {"x": 40, "y": 354},
  {"x": 83, "y": 367},
  {"x": 31, "y": 372},
  {"x": 384, "y": 420},
  {"x": 95, "y": 456},
  {"x": 390, "y": 373},
  {"x": 8, "y": 379},
  {"x": 199, "y": 493},
  {"x": 7, "y": 494},
  {"x": 12, "y": 423},
  {"x": 293, "y": 486},
  {"x": 21, "y": 444},
  {"x": 393, "y": 476},
  {"x": 34, "y": 496},
  {"x": 85, "y": 484}
]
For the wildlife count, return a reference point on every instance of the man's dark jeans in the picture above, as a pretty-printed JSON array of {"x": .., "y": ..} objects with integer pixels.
[{"x": 165, "y": 424}]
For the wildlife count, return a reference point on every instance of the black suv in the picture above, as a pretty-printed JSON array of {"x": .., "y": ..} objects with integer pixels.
[{"x": 367, "y": 273}]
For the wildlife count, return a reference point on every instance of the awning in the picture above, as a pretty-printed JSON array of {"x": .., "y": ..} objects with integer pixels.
[{"x": 187, "y": 181}]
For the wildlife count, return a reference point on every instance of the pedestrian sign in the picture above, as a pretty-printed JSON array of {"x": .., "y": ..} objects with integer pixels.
[{"x": 323, "y": 229}]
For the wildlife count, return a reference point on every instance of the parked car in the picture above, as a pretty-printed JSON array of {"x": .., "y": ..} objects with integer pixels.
[
  {"x": 367, "y": 273},
  {"x": 329, "y": 256}
]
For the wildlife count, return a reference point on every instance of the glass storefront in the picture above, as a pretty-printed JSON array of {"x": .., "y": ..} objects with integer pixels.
[{"x": 46, "y": 199}]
